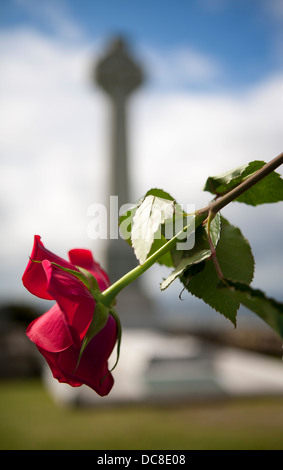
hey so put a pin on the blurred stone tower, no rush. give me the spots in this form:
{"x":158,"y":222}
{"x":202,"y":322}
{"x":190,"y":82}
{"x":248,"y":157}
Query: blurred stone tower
{"x":118,"y":75}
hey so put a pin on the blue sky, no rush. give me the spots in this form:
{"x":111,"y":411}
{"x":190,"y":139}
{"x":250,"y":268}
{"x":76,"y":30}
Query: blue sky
{"x":243,"y":36}
{"x":213,"y":100}
{"x":237,"y":33}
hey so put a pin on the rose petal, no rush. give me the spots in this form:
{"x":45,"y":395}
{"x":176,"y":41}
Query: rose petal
{"x":93,"y":367}
{"x":53,"y":362}
{"x":84,"y":259}
{"x":34,"y":277}
{"x":73,"y":298}
{"x":49,"y":331}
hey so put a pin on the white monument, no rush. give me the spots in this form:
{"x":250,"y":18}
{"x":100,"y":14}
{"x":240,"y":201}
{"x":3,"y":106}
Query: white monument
{"x":118,"y":75}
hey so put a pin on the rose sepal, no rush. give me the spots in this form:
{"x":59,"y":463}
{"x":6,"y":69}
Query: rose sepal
{"x":82,"y":274}
{"x":99,"y":320}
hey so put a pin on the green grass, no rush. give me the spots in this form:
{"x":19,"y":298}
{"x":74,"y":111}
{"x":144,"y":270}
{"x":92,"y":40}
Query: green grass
{"x":29,"y":419}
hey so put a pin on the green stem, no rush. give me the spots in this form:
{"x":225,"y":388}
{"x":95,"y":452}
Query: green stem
{"x":111,"y":293}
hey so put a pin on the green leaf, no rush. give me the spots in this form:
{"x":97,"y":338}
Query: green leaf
{"x":160,"y":193}
{"x":225,"y":181}
{"x":269,"y":310}
{"x":234,"y":254}
{"x":183,"y":265}
{"x":237,"y":263}
{"x":200,"y":252}
{"x":203,"y":285}
{"x":125,"y":224}
{"x":267,"y":190}
{"x":126,"y":219}
{"x":148,"y":217}
{"x":167,"y":228}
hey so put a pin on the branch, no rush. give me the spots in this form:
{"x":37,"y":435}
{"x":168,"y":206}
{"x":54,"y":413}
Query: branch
{"x":108,"y":296}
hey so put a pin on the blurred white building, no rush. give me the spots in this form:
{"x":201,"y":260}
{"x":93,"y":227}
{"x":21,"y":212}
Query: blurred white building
{"x":159,"y":367}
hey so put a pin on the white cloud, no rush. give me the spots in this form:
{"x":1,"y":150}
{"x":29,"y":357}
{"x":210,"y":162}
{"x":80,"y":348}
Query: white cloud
{"x":181,"y":139}
{"x":51,"y":143}
{"x":205,"y":133}
{"x":53,"y":13}
{"x":55,"y":145}
{"x":179,"y":67}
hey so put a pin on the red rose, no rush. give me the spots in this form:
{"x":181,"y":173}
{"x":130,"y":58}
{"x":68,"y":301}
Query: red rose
{"x":58,"y":334}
